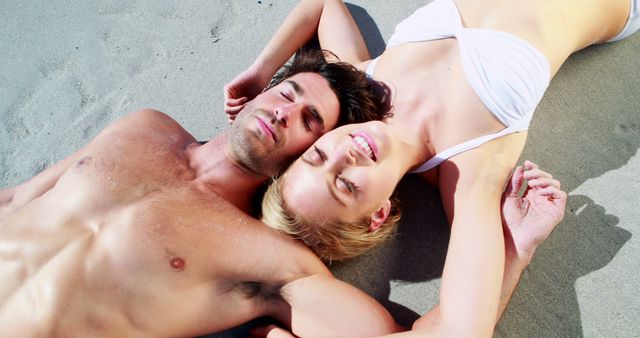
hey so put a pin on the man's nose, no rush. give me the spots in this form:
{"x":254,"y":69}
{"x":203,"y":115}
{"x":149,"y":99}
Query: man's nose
{"x":285,"y":113}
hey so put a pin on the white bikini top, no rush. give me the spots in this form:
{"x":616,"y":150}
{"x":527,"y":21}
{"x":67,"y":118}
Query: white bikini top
{"x":507,"y":73}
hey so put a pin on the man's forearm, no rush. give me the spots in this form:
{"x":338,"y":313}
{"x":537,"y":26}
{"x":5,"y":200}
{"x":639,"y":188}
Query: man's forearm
{"x":296,"y":30}
{"x":322,"y":305}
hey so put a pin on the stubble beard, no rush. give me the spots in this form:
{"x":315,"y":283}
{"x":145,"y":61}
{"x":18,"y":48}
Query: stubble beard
{"x":243,"y":149}
{"x":248,"y":150}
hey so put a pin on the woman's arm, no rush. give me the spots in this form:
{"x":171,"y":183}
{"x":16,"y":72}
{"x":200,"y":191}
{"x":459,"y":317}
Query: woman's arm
{"x":336,"y":30}
{"x":471,"y":185}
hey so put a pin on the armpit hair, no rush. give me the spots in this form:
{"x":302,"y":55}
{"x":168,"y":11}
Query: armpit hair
{"x":254,"y":290}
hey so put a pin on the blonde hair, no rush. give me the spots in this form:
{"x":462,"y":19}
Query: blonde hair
{"x":331,"y":239}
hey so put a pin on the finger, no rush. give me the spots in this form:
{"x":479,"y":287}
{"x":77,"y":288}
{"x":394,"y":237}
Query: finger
{"x":543,"y":182}
{"x":235,"y":102}
{"x":559,"y":200}
{"x":536,"y":173}
{"x":515,"y":183}
{"x":560,"y":195}
{"x":228,"y":91}
{"x":552,"y":192}
{"x":528,"y":165}
{"x":233,"y":110}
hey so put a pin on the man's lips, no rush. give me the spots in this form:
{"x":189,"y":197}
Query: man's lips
{"x":267,"y":128}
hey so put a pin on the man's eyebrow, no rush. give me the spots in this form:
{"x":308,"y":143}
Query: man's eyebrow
{"x":314,"y":112}
{"x":296,"y":87}
{"x":330,"y":186}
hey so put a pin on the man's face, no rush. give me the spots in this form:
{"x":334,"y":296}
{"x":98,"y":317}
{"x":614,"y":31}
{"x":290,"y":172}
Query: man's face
{"x":281,"y":123}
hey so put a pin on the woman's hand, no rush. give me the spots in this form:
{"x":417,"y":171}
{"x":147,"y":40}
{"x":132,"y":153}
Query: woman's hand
{"x":242,"y":89}
{"x":528,"y":220}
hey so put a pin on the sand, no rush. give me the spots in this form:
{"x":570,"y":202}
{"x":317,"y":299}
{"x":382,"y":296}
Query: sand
{"x":67,"y":69}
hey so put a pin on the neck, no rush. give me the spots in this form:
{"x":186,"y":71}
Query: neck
{"x":413,"y":143}
{"x":218,"y":171}
{"x":412,"y":123}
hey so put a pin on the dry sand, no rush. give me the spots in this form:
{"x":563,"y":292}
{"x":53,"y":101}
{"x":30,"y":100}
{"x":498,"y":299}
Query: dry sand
{"x":69,"y":68}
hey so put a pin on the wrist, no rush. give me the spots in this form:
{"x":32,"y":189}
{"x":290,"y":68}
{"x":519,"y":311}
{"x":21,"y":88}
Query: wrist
{"x":264,"y":69}
{"x":520,"y":257}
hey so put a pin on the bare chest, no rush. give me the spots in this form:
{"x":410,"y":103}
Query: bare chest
{"x":120,"y":242}
{"x":120,"y":270}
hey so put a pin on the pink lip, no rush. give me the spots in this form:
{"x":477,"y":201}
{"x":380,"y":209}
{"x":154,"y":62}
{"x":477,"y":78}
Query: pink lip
{"x":369,"y":139}
{"x":267,"y":129}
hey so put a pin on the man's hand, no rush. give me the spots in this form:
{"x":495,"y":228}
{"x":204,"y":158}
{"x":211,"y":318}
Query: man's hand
{"x":528,"y":220}
{"x":242,"y":89}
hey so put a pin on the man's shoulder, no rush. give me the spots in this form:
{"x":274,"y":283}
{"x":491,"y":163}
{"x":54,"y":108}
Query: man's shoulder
{"x":147,"y":118}
{"x":148,"y":122}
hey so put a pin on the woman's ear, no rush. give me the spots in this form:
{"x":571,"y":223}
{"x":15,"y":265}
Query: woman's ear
{"x":379,"y":216}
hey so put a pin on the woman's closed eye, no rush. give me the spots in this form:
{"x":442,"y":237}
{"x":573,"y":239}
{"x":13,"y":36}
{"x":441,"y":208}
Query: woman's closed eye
{"x":344,"y":184}
{"x":314,"y":156}
{"x":319,"y":154}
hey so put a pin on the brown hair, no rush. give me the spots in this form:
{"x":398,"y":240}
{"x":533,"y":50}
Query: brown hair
{"x":361,"y":99}
{"x":331,"y":239}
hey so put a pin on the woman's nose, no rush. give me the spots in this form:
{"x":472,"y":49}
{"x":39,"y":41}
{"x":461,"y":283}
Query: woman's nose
{"x":344,"y":156}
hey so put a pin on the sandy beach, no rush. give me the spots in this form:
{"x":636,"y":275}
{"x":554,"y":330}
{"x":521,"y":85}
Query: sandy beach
{"x":68,"y":69}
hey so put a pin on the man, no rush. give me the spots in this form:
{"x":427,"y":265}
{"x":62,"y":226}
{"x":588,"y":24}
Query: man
{"x":142,"y":232}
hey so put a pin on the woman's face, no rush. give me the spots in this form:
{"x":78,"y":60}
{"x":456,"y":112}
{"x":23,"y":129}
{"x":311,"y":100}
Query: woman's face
{"x":347,"y":174}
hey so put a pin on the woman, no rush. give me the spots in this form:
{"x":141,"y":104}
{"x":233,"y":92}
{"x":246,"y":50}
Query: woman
{"x":465,"y":77}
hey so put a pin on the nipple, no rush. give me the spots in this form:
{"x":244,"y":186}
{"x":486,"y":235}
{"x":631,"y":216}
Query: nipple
{"x":83,"y":162}
{"x":177,"y":263}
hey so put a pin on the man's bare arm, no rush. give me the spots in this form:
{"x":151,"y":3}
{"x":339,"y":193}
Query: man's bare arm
{"x":330,"y":19}
{"x":336,"y":30}
{"x":321,"y":305}
{"x":12,"y":199}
